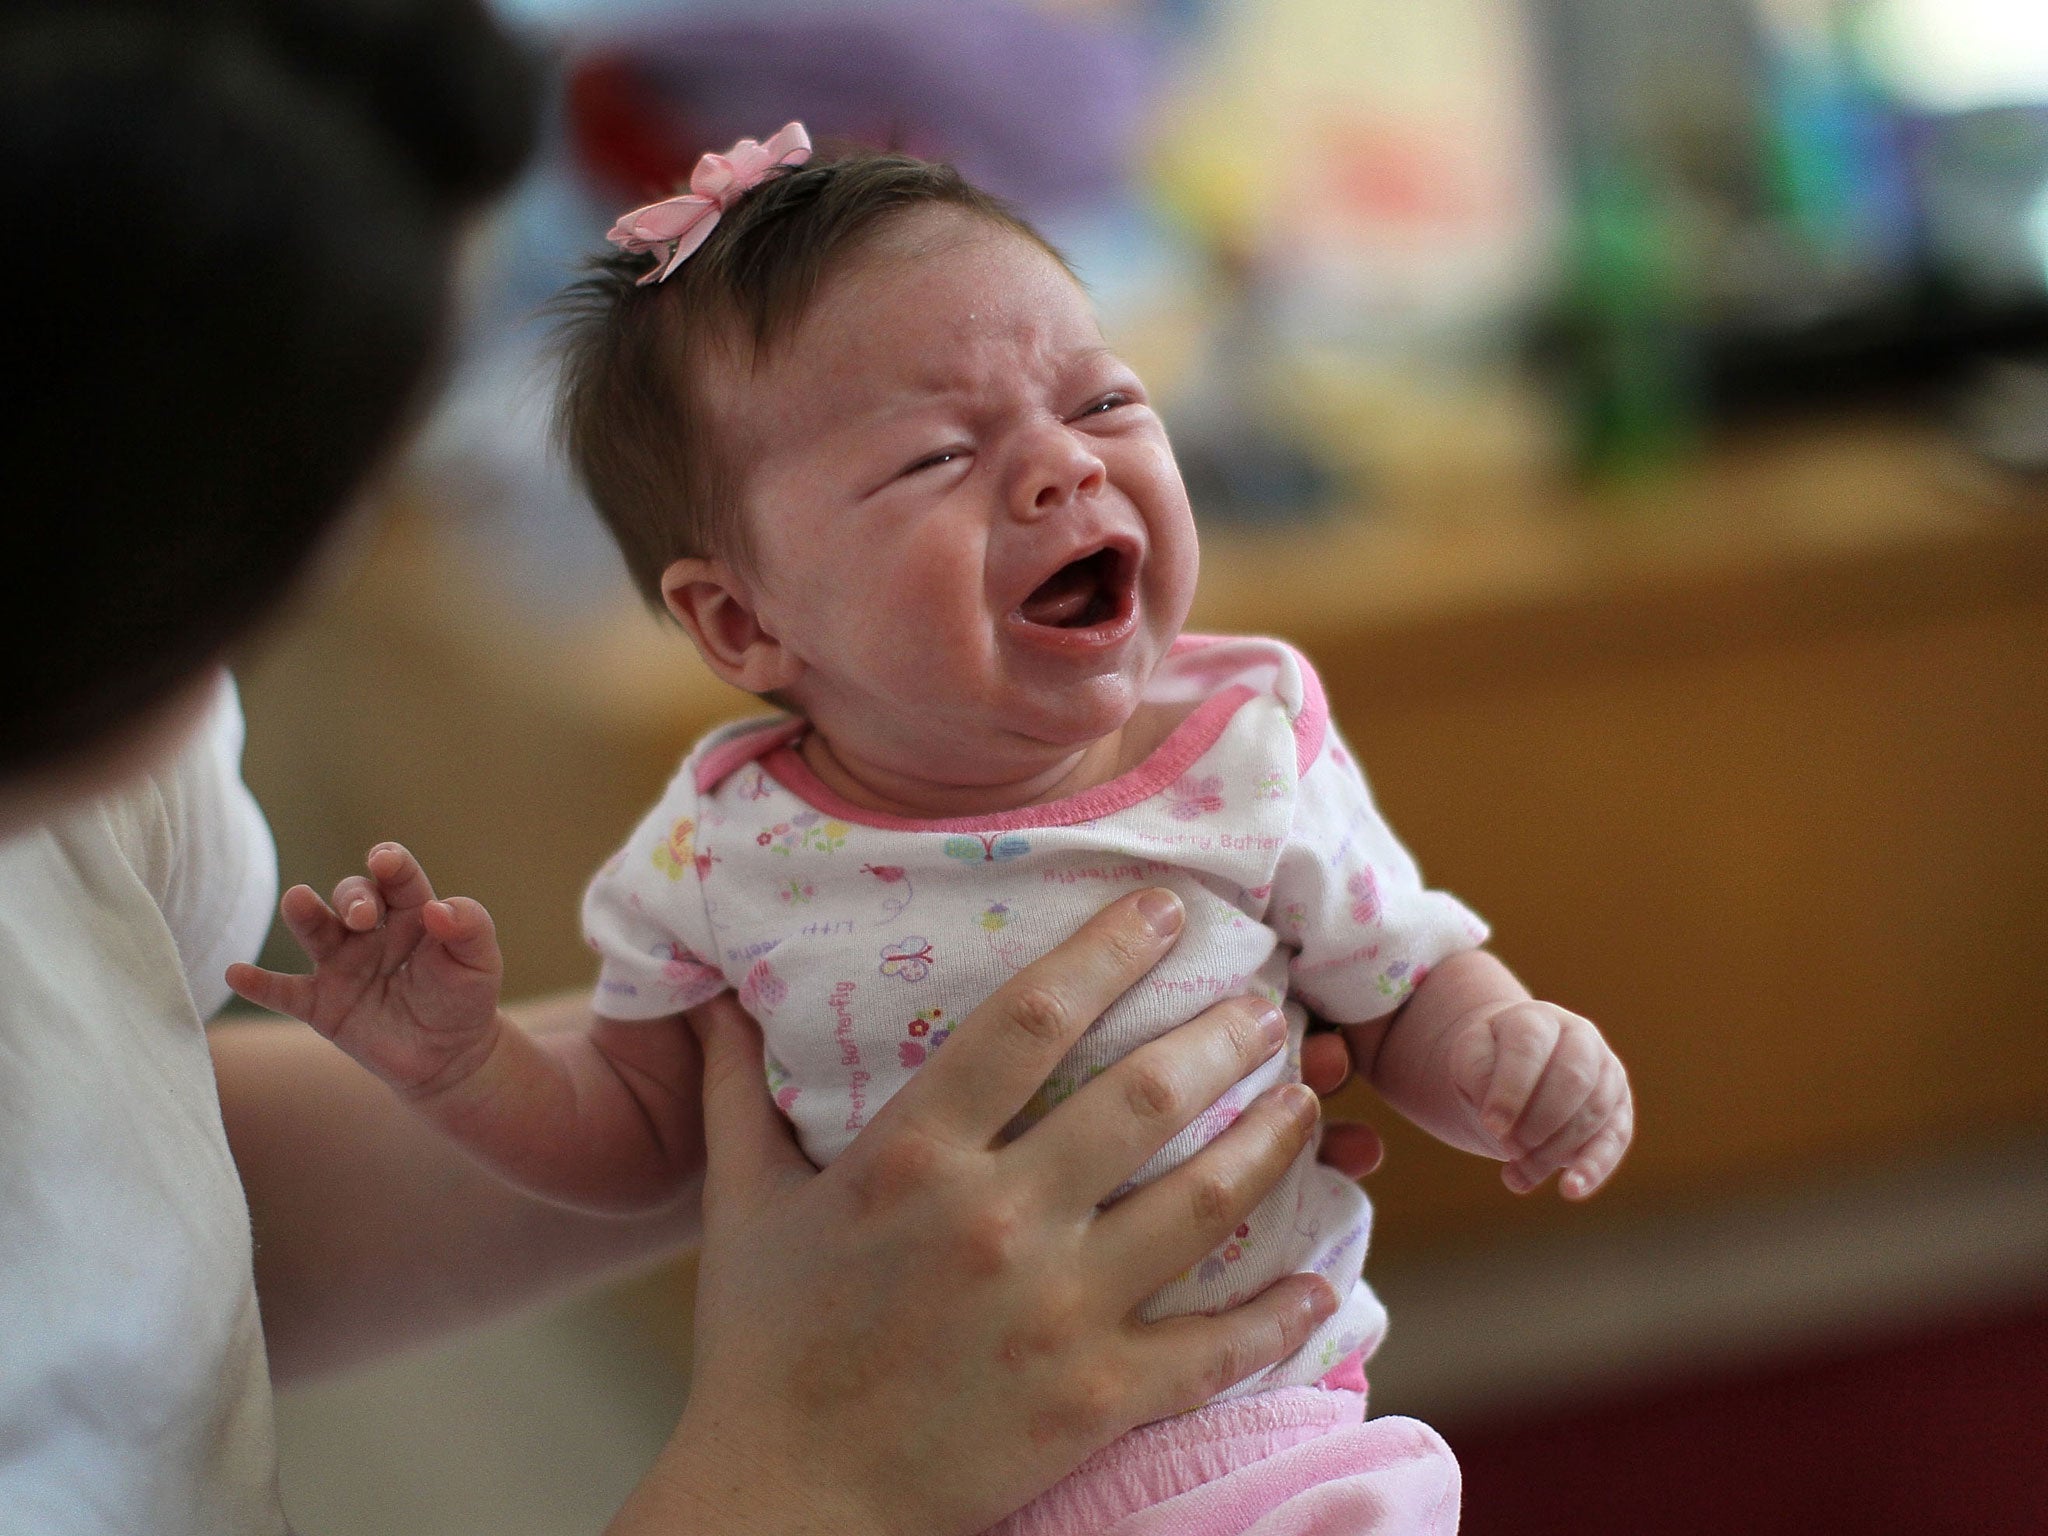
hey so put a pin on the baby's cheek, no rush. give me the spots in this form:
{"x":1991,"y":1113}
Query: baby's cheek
{"x":918,"y":642}
{"x":931,"y":607}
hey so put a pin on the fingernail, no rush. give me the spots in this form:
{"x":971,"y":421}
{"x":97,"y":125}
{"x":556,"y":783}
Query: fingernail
{"x":1272,"y":1026}
{"x":1162,"y":911}
{"x":1320,"y":1303}
{"x":1575,"y":1184}
{"x":356,"y":909}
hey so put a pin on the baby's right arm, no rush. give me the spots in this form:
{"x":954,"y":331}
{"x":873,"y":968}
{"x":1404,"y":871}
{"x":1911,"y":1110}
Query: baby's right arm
{"x":607,"y":1118}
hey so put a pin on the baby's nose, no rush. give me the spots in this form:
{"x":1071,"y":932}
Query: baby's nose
{"x":1059,"y":470}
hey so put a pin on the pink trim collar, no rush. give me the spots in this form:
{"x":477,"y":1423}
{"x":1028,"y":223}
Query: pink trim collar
{"x":1167,"y":762}
{"x":772,"y":744}
{"x":744,"y":746}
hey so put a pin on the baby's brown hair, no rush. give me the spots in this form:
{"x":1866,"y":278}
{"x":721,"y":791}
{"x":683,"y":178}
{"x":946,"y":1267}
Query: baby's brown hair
{"x":632,"y":406}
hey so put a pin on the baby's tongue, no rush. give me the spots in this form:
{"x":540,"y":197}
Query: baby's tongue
{"x":1062,"y":597}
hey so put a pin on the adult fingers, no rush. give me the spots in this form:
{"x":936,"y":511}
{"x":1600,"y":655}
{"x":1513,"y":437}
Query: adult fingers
{"x":750,"y":1150}
{"x":1171,"y":1224}
{"x":1006,"y":1048}
{"x":1191,"y":1359}
{"x":1352,"y":1148}
{"x":1097,"y":1139}
{"x":1325,"y":1061}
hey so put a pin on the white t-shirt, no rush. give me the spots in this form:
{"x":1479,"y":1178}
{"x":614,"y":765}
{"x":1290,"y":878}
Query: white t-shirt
{"x":858,"y":940}
{"x":134,"y":1392}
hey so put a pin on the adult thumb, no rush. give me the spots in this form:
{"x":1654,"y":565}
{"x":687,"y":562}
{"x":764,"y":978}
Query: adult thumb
{"x":750,"y":1150}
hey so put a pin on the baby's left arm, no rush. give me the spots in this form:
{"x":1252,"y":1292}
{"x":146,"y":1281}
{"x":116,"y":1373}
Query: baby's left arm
{"x":1477,"y":1062}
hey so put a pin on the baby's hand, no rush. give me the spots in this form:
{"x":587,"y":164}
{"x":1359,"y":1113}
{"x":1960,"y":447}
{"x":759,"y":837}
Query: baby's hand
{"x":1549,"y":1089}
{"x":406,"y":984}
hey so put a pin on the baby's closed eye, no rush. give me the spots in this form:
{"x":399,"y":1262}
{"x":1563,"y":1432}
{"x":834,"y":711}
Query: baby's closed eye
{"x":1116,"y":399}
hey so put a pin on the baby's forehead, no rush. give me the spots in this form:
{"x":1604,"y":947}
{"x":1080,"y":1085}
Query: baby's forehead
{"x":926,"y":318}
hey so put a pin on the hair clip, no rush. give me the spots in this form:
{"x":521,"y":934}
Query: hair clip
{"x":676,"y":226}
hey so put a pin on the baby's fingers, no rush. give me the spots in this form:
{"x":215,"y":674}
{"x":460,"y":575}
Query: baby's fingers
{"x":1594,"y":1166}
{"x":395,"y":883}
{"x":1588,"y":1146}
{"x":1497,"y":1067}
{"x":272,"y":990}
{"x":400,"y":879}
{"x":358,"y":904}
{"x":1573,"y":1079}
{"x":464,"y":929}
{"x":312,"y":922}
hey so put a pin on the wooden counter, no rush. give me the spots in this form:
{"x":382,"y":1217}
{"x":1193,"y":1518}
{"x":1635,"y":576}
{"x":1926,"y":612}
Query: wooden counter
{"x":1750,"y":767}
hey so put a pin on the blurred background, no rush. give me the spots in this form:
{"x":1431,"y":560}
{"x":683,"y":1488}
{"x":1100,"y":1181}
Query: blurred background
{"x":1639,"y":411}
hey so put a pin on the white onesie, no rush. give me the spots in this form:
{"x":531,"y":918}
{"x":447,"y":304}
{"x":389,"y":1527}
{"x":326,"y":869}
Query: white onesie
{"x":859,"y":939}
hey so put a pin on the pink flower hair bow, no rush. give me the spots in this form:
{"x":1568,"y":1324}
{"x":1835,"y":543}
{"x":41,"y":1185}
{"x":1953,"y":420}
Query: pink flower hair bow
{"x":676,"y":226}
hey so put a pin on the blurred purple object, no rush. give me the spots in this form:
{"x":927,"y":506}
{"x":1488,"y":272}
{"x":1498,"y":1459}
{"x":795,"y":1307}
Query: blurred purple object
{"x":1046,"y":110}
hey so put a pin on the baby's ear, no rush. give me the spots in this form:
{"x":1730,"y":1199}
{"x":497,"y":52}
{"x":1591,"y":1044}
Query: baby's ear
{"x":719,"y":616}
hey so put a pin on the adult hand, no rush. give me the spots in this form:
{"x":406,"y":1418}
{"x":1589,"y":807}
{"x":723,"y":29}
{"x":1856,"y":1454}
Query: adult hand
{"x":1351,"y":1147}
{"x":943,"y":1323}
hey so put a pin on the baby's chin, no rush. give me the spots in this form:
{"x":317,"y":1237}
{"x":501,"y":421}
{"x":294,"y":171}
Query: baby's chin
{"x":978,"y":749}
{"x":1073,"y":716}
{"x":1004,"y":746}
{"x":1020,"y":728}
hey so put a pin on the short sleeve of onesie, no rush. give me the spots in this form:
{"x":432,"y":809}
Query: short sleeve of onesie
{"x":1350,"y":900}
{"x":645,"y":914}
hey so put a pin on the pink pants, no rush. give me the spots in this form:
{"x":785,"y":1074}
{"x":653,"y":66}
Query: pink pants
{"x":1298,"y":1461}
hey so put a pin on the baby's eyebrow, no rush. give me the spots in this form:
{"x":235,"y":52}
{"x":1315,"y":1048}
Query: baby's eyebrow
{"x":939,"y":386}
{"x":939,"y":389}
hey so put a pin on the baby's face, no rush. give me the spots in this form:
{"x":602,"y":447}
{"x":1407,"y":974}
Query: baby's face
{"x":967,"y":521}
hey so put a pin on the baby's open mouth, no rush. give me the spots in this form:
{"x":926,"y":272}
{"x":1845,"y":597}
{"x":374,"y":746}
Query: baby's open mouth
{"x":1080,"y":594}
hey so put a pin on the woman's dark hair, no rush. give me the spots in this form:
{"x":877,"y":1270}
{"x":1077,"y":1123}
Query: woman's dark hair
{"x":634,"y":408}
{"x":229,"y":228}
